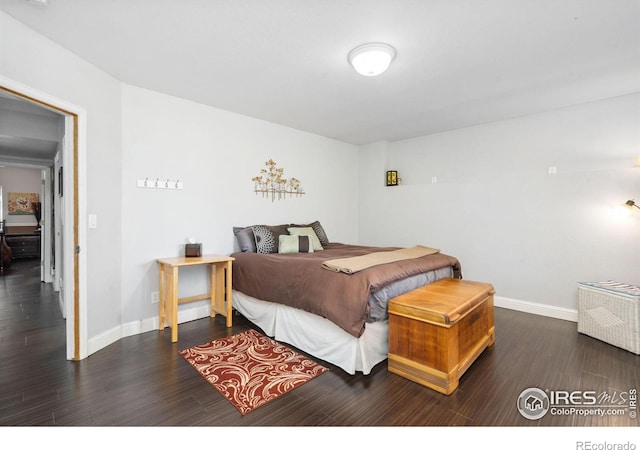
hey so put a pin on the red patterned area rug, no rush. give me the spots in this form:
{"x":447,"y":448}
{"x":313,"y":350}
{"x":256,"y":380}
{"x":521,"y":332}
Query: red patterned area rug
{"x":250,"y":369}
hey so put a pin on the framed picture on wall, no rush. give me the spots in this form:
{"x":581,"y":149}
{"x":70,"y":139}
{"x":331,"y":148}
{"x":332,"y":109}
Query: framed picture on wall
{"x":392,"y":177}
{"x":21,"y":203}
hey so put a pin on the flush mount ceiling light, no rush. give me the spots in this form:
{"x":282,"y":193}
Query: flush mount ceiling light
{"x":41,"y":3}
{"x":371,"y":59}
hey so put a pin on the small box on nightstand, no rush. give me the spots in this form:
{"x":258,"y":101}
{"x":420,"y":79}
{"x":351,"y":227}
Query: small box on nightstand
{"x":192,"y":250}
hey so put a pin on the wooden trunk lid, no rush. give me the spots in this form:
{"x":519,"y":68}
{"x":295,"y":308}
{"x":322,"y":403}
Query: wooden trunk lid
{"x":442,"y":302}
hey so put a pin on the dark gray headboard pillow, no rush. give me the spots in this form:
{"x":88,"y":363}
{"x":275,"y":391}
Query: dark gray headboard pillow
{"x":246,"y":240}
{"x":264,"y":238}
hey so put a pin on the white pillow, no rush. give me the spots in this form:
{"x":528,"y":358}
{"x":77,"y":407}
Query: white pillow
{"x":307,"y":231}
{"x":288,"y":243}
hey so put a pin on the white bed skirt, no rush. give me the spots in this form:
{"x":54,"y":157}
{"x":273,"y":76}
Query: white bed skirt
{"x":316,"y":335}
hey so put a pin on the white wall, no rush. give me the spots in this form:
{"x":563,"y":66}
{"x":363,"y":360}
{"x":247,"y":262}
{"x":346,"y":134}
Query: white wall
{"x":215,"y":154}
{"x":31,"y":59}
{"x":495,"y":207}
{"x":134,"y":133}
{"x":532,"y":235}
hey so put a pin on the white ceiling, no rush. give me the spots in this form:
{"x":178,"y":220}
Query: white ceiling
{"x":28,"y":133}
{"x":459,"y":62}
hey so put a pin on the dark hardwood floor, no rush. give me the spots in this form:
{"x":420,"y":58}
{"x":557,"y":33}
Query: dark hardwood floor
{"x":142,"y":381}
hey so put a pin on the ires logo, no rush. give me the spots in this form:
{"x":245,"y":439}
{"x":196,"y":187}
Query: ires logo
{"x":573,"y":398}
{"x":633,"y":403}
{"x":534,"y":403}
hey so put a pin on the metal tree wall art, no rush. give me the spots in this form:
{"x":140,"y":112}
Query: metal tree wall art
{"x":271,"y":183}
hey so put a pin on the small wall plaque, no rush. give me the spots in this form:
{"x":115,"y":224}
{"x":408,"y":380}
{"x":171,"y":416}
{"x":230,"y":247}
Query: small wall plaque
{"x":392,"y":177}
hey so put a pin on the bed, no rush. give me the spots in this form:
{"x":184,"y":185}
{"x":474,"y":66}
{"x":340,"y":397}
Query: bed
{"x":293,"y":294}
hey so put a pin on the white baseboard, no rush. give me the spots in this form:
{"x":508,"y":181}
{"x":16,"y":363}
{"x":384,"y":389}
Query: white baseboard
{"x":187,"y":315}
{"x":142,"y":326}
{"x":539,"y":309}
{"x":61,"y":305}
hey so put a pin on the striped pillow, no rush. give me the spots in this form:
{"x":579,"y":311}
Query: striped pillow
{"x":307,"y":231}
{"x":294,"y":244}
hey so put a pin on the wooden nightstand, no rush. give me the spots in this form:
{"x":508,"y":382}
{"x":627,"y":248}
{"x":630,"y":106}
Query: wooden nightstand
{"x":220,"y":294}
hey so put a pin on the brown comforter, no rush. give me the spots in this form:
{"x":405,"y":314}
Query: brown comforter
{"x":298,"y":280}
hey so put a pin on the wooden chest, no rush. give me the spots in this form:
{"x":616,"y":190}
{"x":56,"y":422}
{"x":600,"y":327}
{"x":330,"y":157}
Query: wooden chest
{"x":437,"y":331}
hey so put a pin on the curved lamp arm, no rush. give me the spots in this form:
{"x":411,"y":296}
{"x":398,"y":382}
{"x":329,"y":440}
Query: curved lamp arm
{"x":631,"y":203}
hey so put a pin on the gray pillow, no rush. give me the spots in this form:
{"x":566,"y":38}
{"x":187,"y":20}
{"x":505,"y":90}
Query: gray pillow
{"x":246,"y":240}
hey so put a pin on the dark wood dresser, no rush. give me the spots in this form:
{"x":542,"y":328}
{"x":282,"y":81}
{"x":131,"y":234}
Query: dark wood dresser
{"x":24,"y":242}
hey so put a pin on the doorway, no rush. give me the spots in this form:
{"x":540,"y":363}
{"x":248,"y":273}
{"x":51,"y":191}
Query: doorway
{"x":70,"y":169}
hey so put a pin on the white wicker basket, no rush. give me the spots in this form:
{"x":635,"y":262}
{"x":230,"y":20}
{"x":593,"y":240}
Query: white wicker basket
{"x":609,"y":311}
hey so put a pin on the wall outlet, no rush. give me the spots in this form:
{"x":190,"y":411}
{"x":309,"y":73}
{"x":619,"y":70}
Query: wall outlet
{"x":155,"y":298}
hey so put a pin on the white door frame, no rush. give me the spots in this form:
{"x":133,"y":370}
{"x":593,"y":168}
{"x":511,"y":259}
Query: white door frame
{"x":46,"y":226}
{"x":74,"y":214}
